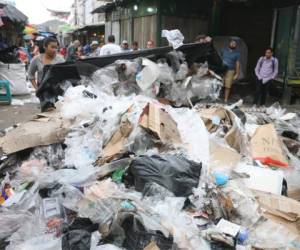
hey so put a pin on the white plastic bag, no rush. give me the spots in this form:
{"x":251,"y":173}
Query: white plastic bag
{"x":16,"y":75}
{"x":174,"y":37}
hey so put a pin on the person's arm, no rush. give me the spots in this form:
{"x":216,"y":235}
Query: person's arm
{"x":237,"y":69}
{"x":257,"y":69}
{"x":276,"y":66}
{"x":31,"y":72}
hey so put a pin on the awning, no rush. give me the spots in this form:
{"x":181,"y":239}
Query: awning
{"x":87,"y":27}
{"x":104,"y":8}
{"x":12,"y":13}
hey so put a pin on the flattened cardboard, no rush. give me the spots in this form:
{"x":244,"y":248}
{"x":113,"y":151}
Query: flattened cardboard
{"x":265,"y":144}
{"x":115,"y":145}
{"x":223,"y":156}
{"x":280,"y":209}
{"x":279,"y":203}
{"x":46,"y":129}
{"x":159,"y":122}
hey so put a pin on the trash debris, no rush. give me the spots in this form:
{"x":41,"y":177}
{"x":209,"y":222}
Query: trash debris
{"x":136,"y":157}
{"x":266,"y":147}
{"x":177,"y":174}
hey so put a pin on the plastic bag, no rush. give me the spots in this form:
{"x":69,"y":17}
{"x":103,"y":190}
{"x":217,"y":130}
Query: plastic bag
{"x":107,"y":247}
{"x":156,"y":191}
{"x":16,"y":75}
{"x":79,"y":235}
{"x":42,"y":242}
{"x":11,"y":221}
{"x":137,"y":237}
{"x":174,"y":37}
{"x":177,"y":174}
{"x":182,"y":226}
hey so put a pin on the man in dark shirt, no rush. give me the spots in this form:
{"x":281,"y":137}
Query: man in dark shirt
{"x":231,"y":59}
{"x":72,"y":51}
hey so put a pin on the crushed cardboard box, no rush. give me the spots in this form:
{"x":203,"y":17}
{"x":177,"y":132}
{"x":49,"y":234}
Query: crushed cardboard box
{"x":160,"y":123}
{"x":214,"y":117}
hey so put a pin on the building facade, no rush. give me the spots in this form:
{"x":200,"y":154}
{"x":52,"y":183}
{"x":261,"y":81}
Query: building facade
{"x":88,"y":26}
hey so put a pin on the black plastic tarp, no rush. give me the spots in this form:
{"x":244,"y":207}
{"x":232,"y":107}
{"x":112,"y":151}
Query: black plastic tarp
{"x":54,"y":75}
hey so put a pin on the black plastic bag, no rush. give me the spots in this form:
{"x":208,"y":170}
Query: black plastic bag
{"x":137,"y":237}
{"x":175,"y":173}
{"x":77,"y":236}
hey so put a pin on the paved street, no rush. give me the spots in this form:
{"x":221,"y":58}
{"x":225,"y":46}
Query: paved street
{"x":14,"y":114}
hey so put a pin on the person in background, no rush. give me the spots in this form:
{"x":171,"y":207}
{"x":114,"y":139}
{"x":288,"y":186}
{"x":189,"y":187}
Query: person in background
{"x":72,"y":51}
{"x":87,"y":49}
{"x":125,"y":46}
{"x":111,"y":47}
{"x":150,"y":44}
{"x":231,"y":59}
{"x":49,"y":57}
{"x":266,"y":71}
{"x":35,"y":49}
{"x":135,"y":46}
{"x":63,"y":51}
{"x":95,"y":50}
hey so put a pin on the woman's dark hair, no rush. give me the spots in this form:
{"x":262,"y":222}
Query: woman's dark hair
{"x":269,"y":48}
{"x":49,"y":40}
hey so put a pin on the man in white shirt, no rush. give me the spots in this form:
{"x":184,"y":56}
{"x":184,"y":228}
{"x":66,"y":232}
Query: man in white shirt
{"x":111,"y":47}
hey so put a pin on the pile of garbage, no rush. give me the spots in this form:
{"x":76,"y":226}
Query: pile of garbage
{"x":111,"y":168}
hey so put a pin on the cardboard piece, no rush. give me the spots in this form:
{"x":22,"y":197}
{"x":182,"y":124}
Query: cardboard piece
{"x":262,"y":179}
{"x":115,"y":145}
{"x":266,"y":147}
{"x":222,"y":156}
{"x":47,"y":128}
{"x":213,"y":118}
{"x":152,"y":246}
{"x":280,"y":209}
{"x":160,"y":123}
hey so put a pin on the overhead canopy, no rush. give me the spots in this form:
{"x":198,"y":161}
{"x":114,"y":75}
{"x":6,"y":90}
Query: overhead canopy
{"x":87,"y":27}
{"x":66,"y":28}
{"x":104,"y":8}
{"x":13,"y":14}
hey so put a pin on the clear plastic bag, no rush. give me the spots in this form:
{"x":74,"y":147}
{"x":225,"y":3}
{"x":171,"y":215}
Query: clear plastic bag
{"x":174,"y":37}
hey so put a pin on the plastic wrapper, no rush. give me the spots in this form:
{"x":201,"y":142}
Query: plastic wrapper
{"x":83,"y":146}
{"x":11,"y":221}
{"x":156,"y":191}
{"x":270,"y":235}
{"x":102,"y":211}
{"x":184,"y":230}
{"x":174,"y":37}
{"x":105,"y":78}
{"x":42,"y":242}
{"x":52,"y":155}
{"x":107,"y":247}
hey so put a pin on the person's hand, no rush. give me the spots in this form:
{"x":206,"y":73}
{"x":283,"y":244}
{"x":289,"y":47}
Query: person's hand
{"x":235,"y":77}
